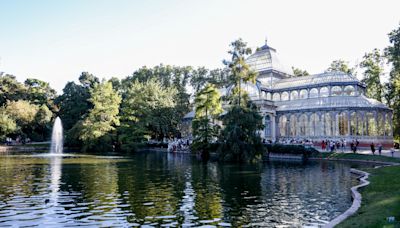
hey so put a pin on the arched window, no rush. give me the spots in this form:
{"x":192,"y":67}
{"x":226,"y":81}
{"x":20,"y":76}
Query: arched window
{"x":314,"y":120}
{"x":353,"y":124}
{"x":267,"y":126}
{"x":381,"y":124}
{"x":303,"y":94}
{"x":327,"y":124}
{"x":360,"y":124}
{"x":285,"y":96}
{"x":343,"y":123}
{"x":336,"y":91}
{"x":303,"y":125}
{"x":324,"y":92}
{"x":268,"y":96}
{"x":313,"y":93}
{"x":349,"y":90}
{"x":388,"y":124}
{"x":293,"y":125}
{"x":283,"y":126}
{"x":371,"y":129}
{"x":294,"y":95}
{"x":276,"y":97}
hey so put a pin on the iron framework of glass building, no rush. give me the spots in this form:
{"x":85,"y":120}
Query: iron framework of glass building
{"x":330,"y":105}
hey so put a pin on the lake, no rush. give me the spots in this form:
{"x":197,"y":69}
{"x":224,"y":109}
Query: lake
{"x":161,"y":189}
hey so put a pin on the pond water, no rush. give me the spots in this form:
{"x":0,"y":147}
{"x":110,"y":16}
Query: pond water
{"x":160,"y":189}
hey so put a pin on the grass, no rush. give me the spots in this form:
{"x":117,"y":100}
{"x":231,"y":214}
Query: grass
{"x":363,"y":157}
{"x":380,"y":199}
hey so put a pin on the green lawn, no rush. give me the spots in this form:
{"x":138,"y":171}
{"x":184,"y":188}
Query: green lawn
{"x":380,"y":199}
{"x":364,"y":157}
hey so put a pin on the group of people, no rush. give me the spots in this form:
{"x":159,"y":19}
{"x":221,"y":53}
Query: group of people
{"x":332,"y":146}
{"x":19,"y":140}
{"x":373,"y":149}
{"x":179,"y":145}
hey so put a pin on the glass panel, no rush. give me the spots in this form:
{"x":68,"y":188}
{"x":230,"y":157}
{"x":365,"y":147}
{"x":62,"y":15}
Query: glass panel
{"x":313,"y":93}
{"x":336,"y":91}
{"x":303,"y":94}
{"x":283,"y":126}
{"x":314,"y":125}
{"x":267,"y":126}
{"x":328,"y":124}
{"x":303,"y":125}
{"x":294,"y":95}
{"x":324,"y":92}
{"x":353,"y":123}
{"x":372,"y":130}
{"x":381,"y":125}
{"x":387,"y":125}
{"x":276,"y":97}
{"x":285,"y":96}
{"x":343,"y":123}
{"x":293,"y":124}
{"x":349,"y":90}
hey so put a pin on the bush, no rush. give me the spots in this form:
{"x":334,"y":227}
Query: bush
{"x":291,"y":149}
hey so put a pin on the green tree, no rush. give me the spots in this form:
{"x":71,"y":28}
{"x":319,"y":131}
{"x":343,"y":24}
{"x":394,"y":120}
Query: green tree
{"x":392,"y":53}
{"x":7,"y":125}
{"x":40,"y":92}
{"x":147,"y":111}
{"x":88,"y":80}
{"x":240,"y":140}
{"x":298,"y":72}
{"x":372,"y":64}
{"x":73,"y":105}
{"x":208,"y":108}
{"x":340,"y":65}
{"x":239,"y":71}
{"x":10,"y":89}
{"x":98,"y":127}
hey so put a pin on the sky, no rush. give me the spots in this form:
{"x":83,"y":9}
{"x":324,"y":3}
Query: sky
{"x":57,"y":40}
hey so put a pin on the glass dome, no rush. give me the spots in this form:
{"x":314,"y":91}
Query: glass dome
{"x":265,"y":58}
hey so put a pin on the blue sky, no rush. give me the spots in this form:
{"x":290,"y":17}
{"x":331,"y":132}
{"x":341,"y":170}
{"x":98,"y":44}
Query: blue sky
{"x":56,"y":40}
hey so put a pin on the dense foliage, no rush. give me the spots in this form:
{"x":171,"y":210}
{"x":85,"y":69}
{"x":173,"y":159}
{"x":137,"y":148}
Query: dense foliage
{"x":208,"y":107}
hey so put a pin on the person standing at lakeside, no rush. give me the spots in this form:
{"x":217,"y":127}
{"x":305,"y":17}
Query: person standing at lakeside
{"x":373,"y":148}
{"x":380,"y":148}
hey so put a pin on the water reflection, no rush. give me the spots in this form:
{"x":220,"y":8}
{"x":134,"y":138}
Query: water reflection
{"x":171,"y":190}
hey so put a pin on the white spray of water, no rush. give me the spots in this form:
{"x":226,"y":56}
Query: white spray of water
{"x":57,"y":140}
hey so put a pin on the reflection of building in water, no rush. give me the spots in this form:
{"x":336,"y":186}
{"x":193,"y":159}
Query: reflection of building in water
{"x":330,"y":105}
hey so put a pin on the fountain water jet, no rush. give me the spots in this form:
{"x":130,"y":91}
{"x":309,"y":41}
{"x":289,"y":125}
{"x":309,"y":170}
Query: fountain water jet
{"x":57,"y":140}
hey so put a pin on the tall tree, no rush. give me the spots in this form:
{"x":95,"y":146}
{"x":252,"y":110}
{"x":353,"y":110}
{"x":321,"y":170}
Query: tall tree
{"x":147,"y":111}
{"x":340,"y":65}
{"x":239,"y":71}
{"x":7,"y":124}
{"x":372,"y":64}
{"x":392,"y":53}
{"x":11,"y":89}
{"x":208,"y":108}
{"x":40,"y":92}
{"x":73,"y":105}
{"x":240,"y":140}
{"x":98,"y":127}
{"x":298,"y":72}
{"x":88,"y":80}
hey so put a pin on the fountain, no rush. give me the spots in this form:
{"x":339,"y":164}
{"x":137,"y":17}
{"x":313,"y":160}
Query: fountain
{"x":57,"y":138}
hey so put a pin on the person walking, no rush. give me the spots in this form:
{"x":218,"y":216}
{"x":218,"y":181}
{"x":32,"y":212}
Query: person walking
{"x":372,"y":148}
{"x":380,"y":148}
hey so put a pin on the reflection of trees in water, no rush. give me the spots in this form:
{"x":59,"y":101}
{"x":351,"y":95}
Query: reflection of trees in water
{"x":208,"y":202}
{"x":152,"y":187}
{"x":240,"y":186}
{"x":20,"y":176}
